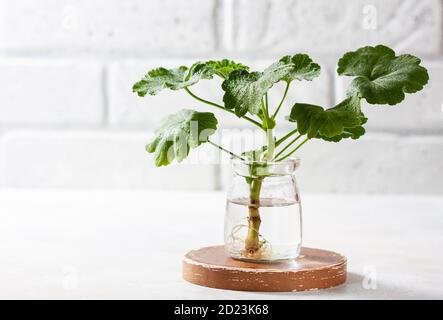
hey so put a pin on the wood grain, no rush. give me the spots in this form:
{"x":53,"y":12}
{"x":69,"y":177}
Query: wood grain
{"x":313,"y":269}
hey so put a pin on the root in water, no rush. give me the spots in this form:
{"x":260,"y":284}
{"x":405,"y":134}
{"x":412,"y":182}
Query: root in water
{"x":237,"y":243}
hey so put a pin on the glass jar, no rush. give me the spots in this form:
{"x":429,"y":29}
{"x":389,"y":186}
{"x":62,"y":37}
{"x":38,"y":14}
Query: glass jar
{"x":263,"y":221}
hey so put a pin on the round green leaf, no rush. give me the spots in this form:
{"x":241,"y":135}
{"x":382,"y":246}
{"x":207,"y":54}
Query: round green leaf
{"x":179,"y":78}
{"x":223,"y":68}
{"x":180,"y":132}
{"x":381,"y":77}
{"x":303,"y":67}
{"x":244,"y":90}
{"x":174,"y":79}
{"x":333,"y":123}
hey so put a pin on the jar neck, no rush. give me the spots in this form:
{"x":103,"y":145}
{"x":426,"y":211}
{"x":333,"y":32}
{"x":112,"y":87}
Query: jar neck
{"x":261,"y":169}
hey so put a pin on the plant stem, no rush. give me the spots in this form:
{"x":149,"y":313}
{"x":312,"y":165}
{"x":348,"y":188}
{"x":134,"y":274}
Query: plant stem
{"x":287,"y":146}
{"x":290,"y":153}
{"x":221,"y":107}
{"x":279,"y":141}
{"x":270,"y":143}
{"x":281,"y":101}
{"x":226,"y":150}
{"x":252,"y":241}
{"x":265,"y":114}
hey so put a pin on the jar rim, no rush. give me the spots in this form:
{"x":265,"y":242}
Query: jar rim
{"x":290,"y":160}
{"x":251,"y":168}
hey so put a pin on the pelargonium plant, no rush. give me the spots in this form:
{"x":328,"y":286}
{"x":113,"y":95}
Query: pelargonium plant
{"x":379,"y":76}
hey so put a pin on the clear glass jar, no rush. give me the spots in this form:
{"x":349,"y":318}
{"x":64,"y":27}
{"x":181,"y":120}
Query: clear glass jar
{"x":263,"y":221}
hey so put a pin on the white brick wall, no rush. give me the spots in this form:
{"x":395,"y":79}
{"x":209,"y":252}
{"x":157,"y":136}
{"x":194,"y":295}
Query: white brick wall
{"x":103,"y":26}
{"x":92,"y":159}
{"x":377,"y":163}
{"x":336,"y":25}
{"x":50,"y":92}
{"x":68,"y":117}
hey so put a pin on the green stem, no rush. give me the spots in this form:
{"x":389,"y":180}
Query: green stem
{"x":270,"y":143}
{"x":265,"y":114}
{"x":225,"y":150}
{"x":290,"y":153}
{"x":287,"y":146}
{"x":221,"y":107}
{"x":279,"y":141}
{"x":252,"y":241}
{"x":281,"y":101}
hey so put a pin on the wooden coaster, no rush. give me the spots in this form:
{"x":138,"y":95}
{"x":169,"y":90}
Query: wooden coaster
{"x":313,"y":269}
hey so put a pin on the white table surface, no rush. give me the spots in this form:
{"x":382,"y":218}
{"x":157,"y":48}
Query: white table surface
{"x":129,"y":244}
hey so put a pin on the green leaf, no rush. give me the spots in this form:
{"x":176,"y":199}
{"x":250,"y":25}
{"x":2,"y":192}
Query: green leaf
{"x":317,"y":122}
{"x":381,"y":77}
{"x":174,"y":79}
{"x":244,"y":90}
{"x":180,"y":132}
{"x":303,"y":67}
{"x":353,"y":133}
{"x":223,"y":68}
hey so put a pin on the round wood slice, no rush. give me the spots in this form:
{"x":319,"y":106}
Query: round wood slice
{"x":313,"y":269}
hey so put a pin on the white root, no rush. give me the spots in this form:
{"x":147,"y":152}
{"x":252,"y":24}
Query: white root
{"x":237,"y":243}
